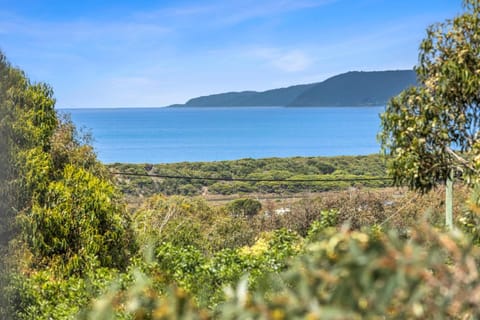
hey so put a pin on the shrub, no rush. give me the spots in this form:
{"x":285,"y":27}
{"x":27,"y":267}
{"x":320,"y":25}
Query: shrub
{"x":79,"y":222}
{"x":350,"y":275}
{"x":244,"y":207}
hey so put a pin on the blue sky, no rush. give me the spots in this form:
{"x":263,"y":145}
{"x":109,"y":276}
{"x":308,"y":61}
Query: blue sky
{"x":147,"y":53}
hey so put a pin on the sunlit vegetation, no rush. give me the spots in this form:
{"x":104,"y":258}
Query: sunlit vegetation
{"x":62,"y":218}
{"x":345,"y":171}
{"x":71,"y":249}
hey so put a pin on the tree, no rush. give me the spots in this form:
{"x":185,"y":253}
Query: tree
{"x":432,"y":129}
{"x":244,"y":207}
{"x":56,"y":202}
{"x":27,"y":120}
{"x":79,"y":226}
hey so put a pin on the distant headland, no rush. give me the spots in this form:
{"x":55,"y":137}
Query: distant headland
{"x":355,"y":88}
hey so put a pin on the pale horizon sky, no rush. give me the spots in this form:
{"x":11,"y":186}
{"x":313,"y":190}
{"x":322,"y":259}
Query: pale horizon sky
{"x":148,"y":53}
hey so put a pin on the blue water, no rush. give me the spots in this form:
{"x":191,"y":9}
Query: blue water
{"x":160,"y":135}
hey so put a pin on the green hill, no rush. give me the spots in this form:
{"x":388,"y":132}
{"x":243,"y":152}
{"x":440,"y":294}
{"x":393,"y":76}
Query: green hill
{"x":347,"y":89}
{"x":357,"y":89}
{"x":274,"y":97}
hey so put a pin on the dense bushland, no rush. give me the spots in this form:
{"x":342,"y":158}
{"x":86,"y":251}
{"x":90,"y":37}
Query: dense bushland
{"x":331,"y":274}
{"x":298,"y":168}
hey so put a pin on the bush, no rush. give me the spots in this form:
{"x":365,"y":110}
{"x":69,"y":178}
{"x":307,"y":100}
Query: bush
{"x":244,"y":207}
{"x":80,"y":222}
{"x":350,"y":275}
{"x":43,"y":295}
{"x":342,"y":275}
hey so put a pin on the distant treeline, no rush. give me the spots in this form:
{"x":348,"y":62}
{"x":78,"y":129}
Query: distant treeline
{"x":348,"y":169}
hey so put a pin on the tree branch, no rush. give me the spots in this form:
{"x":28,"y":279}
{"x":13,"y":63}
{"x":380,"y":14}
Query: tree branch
{"x":461,"y":160}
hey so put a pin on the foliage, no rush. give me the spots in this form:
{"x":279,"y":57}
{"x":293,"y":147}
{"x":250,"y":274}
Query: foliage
{"x":60,"y":213}
{"x":27,"y":120}
{"x":432,"y":129}
{"x":329,"y":219}
{"x":244,"y":207}
{"x":69,"y":146}
{"x":341,"y":275}
{"x":41,"y":295}
{"x":345,"y":167}
{"x":202,"y":249}
{"x":77,"y":225}
{"x":194,"y":278}
{"x":350,"y":275}
{"x":142,"y":301}
{"x":469,"y":220}
{"x":311,"y":262}
{"x":179,"y":220}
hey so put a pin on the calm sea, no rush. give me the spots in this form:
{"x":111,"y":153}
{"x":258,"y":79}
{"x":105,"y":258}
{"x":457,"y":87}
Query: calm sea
{"x":160,"y":135}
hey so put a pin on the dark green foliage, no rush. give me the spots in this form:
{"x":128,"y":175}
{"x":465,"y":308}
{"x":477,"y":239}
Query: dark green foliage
{"x":348,"y":89}
{"x":244,"y":207}
{"x":345,"y":167}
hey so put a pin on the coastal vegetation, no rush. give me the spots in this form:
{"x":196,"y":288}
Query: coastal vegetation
{"x":272,"y":175}
{"x":72,"y":249}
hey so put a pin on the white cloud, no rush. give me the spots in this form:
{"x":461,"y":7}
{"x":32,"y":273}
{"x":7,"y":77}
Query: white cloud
{"x":285,"y":60}
{"x":292,"y":61}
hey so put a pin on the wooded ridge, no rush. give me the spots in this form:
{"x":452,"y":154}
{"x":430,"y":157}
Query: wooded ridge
{"x":355,"y":88}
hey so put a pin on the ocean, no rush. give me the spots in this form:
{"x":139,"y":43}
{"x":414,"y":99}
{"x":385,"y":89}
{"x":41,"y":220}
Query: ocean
{"x":163,"y":135}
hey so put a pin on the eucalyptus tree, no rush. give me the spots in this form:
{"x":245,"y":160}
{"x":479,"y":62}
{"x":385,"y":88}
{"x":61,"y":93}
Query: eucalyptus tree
{"x":431,"y":130}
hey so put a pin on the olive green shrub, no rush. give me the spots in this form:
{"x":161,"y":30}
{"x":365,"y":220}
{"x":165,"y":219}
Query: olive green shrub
{"x":340,"y":275}
{"x":78,"y":226}
{"x":185,"y":221}
{"x":351,"y":275}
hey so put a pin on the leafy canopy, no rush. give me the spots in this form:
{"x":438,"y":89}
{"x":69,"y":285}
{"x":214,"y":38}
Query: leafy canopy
{"x":54,"y":194}
{"x":432,"y":129}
